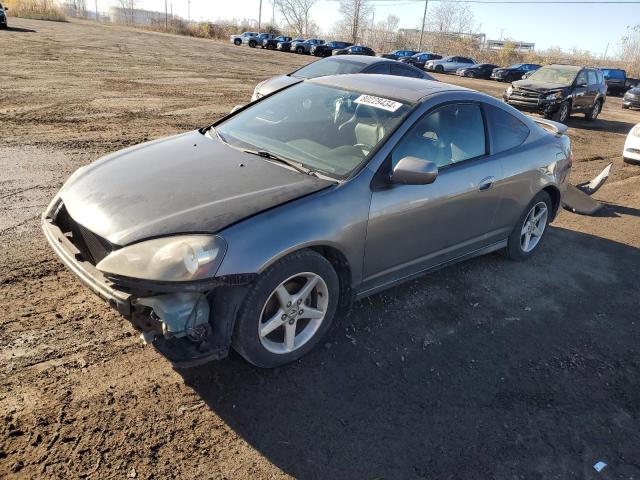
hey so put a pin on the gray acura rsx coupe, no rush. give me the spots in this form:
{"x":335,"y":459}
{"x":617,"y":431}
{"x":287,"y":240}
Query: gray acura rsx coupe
{"x":253,"y":232}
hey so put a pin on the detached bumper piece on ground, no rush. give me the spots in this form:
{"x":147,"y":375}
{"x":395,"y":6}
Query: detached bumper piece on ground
{"x":578,"y":199}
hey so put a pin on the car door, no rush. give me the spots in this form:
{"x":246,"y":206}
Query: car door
{"x":580,"y":91}
{"x":415,"y":227}
{"x":592,"y":87}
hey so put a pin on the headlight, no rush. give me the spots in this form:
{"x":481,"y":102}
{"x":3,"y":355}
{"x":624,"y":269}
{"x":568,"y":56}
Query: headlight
{"x":554,"y":96}
{"x":509,"y":90}
{"x":170,"y":259}
{"x":635,"y":131}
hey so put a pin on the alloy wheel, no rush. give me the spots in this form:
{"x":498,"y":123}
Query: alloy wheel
{"x":533,"y":227}
{"x":293,"y":313}
{"x":596,"y":110}
{"x":564,"y":112}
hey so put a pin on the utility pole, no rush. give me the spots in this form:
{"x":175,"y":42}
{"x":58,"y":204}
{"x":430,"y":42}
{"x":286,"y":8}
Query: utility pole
{"x":97,"y":17}
{"x":166,"y":20}
{"x":273,"y":12}
{"x":356,"y":19}
{"x":189,"y":10}
{"x":424,"y":19}
{"x":259,"y":15}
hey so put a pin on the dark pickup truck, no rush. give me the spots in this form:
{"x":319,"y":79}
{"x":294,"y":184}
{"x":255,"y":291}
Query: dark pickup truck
{"x":272,"y":43}
{"x":616,"y":79}
{"x":556,"y":91}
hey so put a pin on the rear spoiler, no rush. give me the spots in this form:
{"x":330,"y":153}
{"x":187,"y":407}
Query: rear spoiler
{"x":555,"y":127}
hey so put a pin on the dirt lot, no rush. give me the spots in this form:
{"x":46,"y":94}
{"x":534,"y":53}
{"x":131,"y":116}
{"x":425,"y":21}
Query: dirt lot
{"x":489,"y":369}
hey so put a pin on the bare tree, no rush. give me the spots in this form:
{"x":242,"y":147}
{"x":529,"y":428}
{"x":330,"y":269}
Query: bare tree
{"x":297,"y":14}
{"x":355,"y":14}
{"x":630,"y":48}
{"x":451,"y":17}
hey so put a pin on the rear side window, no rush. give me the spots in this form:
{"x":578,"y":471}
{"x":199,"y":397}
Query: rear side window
{"x":404,"y":71}
{"x":382,"y":68}
{"x":507,"y":131}
{"x":448,"y":135}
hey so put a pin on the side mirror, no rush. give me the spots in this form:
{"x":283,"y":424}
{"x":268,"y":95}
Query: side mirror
{"x":414,"y":171}
{"x":237,"y":107}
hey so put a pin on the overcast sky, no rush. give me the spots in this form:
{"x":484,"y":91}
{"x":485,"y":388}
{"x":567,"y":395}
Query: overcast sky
{"x":589,"y":27}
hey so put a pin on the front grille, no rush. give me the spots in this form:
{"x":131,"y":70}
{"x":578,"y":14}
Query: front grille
{"x":92,"y":247}
{"x":525,"y":96}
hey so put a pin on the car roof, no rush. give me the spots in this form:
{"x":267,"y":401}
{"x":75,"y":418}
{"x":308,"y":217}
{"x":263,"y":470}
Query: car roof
{"x":406,"y":89}
{"x":568,"y":67}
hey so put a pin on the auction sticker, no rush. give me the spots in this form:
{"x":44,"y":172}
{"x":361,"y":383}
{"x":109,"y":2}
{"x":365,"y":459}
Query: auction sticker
{"x":378,"y":102}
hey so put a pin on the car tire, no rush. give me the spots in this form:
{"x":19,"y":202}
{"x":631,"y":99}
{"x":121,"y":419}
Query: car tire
{"x":594,"y":112}
{"x":563,"y":113}
{"x":252,"y":44}
{"x":439,"y":68}
{"x":625,"y":107}
{"x":237,"y":42}
{"x":272,"y":300}
{"x":299,"y":50}
{"x":518,"y":247}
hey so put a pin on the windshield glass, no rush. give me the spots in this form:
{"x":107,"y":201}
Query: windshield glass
{"x":322,"y":128}
{"x":559,"y":75}
{"x":515,"y":66}
{"x":610,"y":73}
{"x":329,"y":66}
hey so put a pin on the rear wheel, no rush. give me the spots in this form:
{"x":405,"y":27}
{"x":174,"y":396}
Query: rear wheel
{"x":528,"y":233}
{"x":237,"y":41}
{"x":299,"y":50}
{"x":288,"y":311}
{"x":439,"y":68}
{"x":595,"y":110}
{"x":252,"y":43}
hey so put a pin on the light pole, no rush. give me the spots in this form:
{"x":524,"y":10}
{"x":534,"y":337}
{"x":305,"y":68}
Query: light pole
{"x":259,"y":15}
{"x":424,"y":19}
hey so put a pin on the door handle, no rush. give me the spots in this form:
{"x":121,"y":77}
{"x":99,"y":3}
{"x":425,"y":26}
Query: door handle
{"x":485,"y":183}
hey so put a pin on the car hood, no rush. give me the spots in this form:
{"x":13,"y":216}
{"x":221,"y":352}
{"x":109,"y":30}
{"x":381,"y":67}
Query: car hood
{"x":276,"y":83}
{"x":538,"y":86}
{"x":183,"y":184}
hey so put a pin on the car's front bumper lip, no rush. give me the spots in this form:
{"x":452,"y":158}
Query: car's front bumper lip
{"x":87,"y":273}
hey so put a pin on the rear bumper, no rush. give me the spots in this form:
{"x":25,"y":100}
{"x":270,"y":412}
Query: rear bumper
{"x":89,"y":275}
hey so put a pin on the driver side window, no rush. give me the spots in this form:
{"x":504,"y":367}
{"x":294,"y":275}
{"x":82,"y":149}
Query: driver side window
{"x":451,"y":134}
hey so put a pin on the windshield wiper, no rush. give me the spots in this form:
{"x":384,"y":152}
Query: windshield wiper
{"x":276,"y":158}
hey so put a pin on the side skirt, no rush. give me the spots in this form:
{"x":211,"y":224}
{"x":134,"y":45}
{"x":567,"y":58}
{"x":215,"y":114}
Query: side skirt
{"x":476,"y":253}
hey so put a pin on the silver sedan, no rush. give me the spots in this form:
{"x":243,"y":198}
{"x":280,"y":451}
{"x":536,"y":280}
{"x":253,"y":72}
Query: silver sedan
{"x":255,"y":231}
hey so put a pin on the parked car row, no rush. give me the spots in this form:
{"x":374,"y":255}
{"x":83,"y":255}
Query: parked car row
{"x":309,"y":46}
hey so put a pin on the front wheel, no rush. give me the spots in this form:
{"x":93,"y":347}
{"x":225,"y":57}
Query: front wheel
{"x":439,"y":69}
{"x":527,"y":235}
{"x":288,"y":310}
{"x":237,"y":41}
{"x":299,"y":50}
{"x":563,"y":113}
{"x":252,"y":44}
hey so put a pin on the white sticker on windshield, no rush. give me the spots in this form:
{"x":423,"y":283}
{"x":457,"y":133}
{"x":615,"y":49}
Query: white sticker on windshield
{"x":378,"y":102}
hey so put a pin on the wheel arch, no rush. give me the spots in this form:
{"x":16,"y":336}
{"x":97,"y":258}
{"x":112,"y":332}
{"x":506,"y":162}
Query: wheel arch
{"x":554,"y":193}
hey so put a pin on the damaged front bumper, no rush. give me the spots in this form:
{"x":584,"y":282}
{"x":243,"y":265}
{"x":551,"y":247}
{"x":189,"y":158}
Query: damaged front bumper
{"x":189,"y":324}
{"x":533,"y":105}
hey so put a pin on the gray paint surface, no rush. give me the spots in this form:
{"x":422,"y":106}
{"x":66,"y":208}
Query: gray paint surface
{"x":186,"y":183}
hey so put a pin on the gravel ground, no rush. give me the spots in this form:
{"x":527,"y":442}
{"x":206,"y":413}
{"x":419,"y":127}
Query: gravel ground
{"x":488,"y":369}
